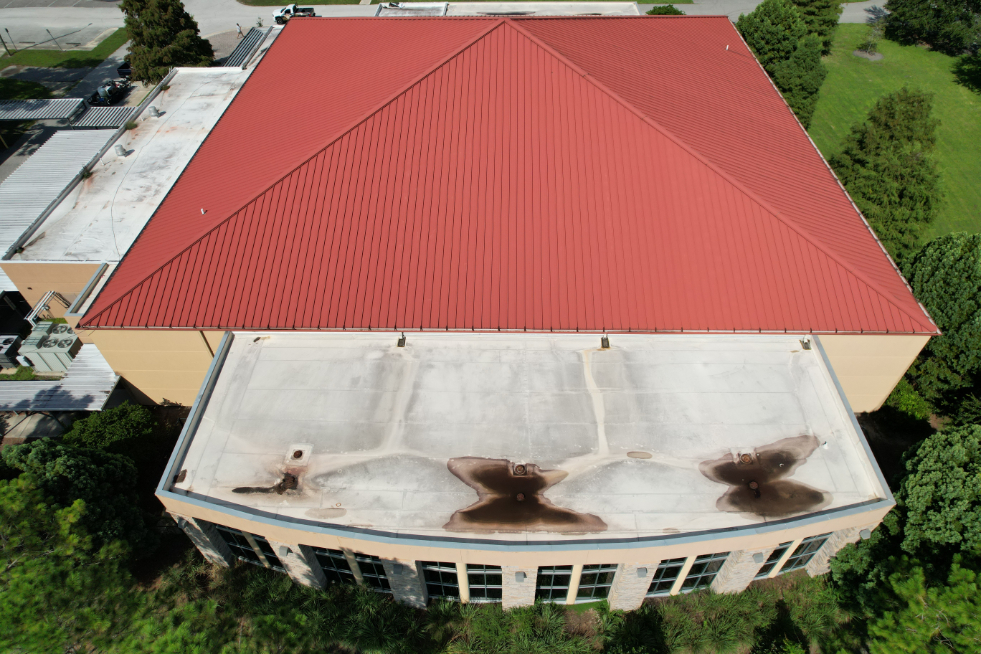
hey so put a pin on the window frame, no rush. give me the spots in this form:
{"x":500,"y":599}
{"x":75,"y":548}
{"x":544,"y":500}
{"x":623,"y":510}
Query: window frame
{"x":552,"y":571}
{"x":440,"y":576}
{"x":772,"y":560}
{"x":598,"y":587}
{"x":804,"y":552}
{"x":371,"y":568}
{"x":333,"y":573}
{"x":703,"y":577}
{"x":660,"y":576}
{"x":475,"y":588}
{"x":265,"y":557}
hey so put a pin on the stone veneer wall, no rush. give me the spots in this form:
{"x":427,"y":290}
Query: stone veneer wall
{"x":407,"y":585}
{"x":300,"y":563}
{"x":631,"y":584}
{"x":206,"y":538}
{"x":739,"y":570}
{"x":518,"y":593}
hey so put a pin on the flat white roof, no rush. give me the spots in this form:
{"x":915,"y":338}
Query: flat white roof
{"x":642,"y":439}
{"x":101,"y":218}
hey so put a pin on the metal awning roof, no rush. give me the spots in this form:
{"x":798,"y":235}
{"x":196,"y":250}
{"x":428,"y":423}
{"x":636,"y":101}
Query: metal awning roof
{"x":28,"y":192}
{"x":246,"y":48}
{"x":54,"y":109}
{"x":104,"y":117}
{"x":85,"y":387}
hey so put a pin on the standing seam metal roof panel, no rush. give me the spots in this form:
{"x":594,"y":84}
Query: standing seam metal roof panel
{"x":28,"y":191}
{"x":543,"y":162}
{"x":52,"y":109}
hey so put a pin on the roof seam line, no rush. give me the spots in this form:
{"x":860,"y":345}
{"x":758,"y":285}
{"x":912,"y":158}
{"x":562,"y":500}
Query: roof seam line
{"x":765,"y":205}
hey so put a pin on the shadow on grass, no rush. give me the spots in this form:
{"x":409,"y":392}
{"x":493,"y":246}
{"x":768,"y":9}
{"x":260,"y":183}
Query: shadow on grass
{"x":967,"y":70}
{"x":782,"y":630}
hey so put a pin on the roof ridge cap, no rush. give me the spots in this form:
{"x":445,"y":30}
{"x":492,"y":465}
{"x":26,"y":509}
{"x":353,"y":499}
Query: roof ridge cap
{"x":793,"y":225}
{"x":86,"y":319}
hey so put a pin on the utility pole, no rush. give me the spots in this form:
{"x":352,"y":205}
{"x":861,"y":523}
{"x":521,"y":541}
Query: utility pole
{"x":54,"y":39}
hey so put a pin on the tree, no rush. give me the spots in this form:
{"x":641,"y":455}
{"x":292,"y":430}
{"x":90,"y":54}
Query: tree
{"x":772,"y":31}
{"x":950,"y":26}
{"x":946,"y":277}
{"x":104,"y":482}
{"x":105,"y":430}
{"x":57,"y":587}
{"x":938,"y":619}
{"x":800,"y":78}
{"x":821,"y":18}
{"x":887,"y":165}
{"x":665,"y":10}
{"x":162,"y":35}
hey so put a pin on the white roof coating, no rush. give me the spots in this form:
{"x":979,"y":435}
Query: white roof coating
{"x":542,"y":8}
{"x":632,"y":441}
{"x":101,"y":218}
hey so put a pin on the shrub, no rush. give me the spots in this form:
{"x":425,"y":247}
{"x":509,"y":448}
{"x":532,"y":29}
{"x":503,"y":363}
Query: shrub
{"x":800,"y":78}
{"x":772,"y":31}
{"x":103,"y":430}
{"x":821,"y":18}
{"x":950,"y":26}
{"x":887,"y":165}
{"x":665,"y":10}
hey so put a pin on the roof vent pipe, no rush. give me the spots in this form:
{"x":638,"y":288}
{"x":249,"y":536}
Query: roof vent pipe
{"x":153,"y":112}
{"x":605,"y":342}
{"x":402,"y":340}
{"x":806,"y":342}
{"x":120,"y":150}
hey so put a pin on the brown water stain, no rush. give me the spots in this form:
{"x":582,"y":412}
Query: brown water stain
{"x":288,"y":482}
{"x":758,"y":480}
{"x":511,"y":499}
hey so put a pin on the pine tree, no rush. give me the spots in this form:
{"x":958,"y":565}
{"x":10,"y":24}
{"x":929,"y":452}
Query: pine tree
{"x":886,"y":164}
{"x":950,"y":26}
{"x":162,"y":35}
{"x":821,"y":18}
{"x":800,"y":78}
{"x":772,"y":31}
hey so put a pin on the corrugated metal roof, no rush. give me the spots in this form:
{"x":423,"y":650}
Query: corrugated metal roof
{"x":85,"y":387}
{"x":38,"y":182}
{"x":104,"y":117}
{"x":506,"y":187}
{"x":246,"y":47}
{"x":55,"y":109}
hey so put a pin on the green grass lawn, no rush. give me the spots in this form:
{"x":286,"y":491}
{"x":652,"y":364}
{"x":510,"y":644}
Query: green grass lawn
{"x":69,"y":59}
{"x":852,"y":87}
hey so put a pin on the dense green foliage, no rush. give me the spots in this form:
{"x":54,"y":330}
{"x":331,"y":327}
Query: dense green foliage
{"x":110,"y":429}
{"x":946,"y":278}
{"x":665,"y":10}
{"x":821,"y":18}
{"x":800,"y":78}
{"x":104,"y":482}
{"x":780,"y":39}
{"x":772,"y":31}
{"x":950,"y":26}
{"x":57,"y":586}
{"x":887,"y":165}
{"x":163,"y":36}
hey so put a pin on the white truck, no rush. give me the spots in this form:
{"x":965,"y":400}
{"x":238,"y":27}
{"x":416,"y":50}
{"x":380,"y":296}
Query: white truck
{"x":292,"y":11}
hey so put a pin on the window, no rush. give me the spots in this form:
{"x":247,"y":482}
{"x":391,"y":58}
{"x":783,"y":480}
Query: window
{"x":441,"y":579}
{"x":553,"y":583}
{"x":703,"y":571}
{"x":238,"y":543}
{"x":335,"y":566}
{"x":595,"y":582}
{"x":485,"y":582}
{"x":267,"y":551}
{"x":772,"y":560}
{"x":373,"y":573}
{"x":804,"y":552}
{"x":664,"y":577}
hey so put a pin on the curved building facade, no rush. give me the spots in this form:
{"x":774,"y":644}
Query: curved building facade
{"x":510,"y":467}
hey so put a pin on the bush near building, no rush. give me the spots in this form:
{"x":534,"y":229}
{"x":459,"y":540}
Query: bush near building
{"x":780,"y":39}
{"x":821,"y":18}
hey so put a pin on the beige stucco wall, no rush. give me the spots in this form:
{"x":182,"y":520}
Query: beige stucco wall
{"x":159,"y":366}
{"x":869,"y":366}
{"x":589,"y":553}
{"x":34,"y":279}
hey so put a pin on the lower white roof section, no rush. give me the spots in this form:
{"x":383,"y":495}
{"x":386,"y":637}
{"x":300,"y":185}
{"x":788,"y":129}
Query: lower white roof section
{"x":85,"y":387}
{"x":644,"y":439}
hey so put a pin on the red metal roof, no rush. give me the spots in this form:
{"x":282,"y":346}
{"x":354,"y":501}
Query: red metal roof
{"x":541,"y":174}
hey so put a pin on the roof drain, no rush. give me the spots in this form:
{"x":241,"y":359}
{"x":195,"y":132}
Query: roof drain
{"x":605,"y":342}
{"x":402,"y":340}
